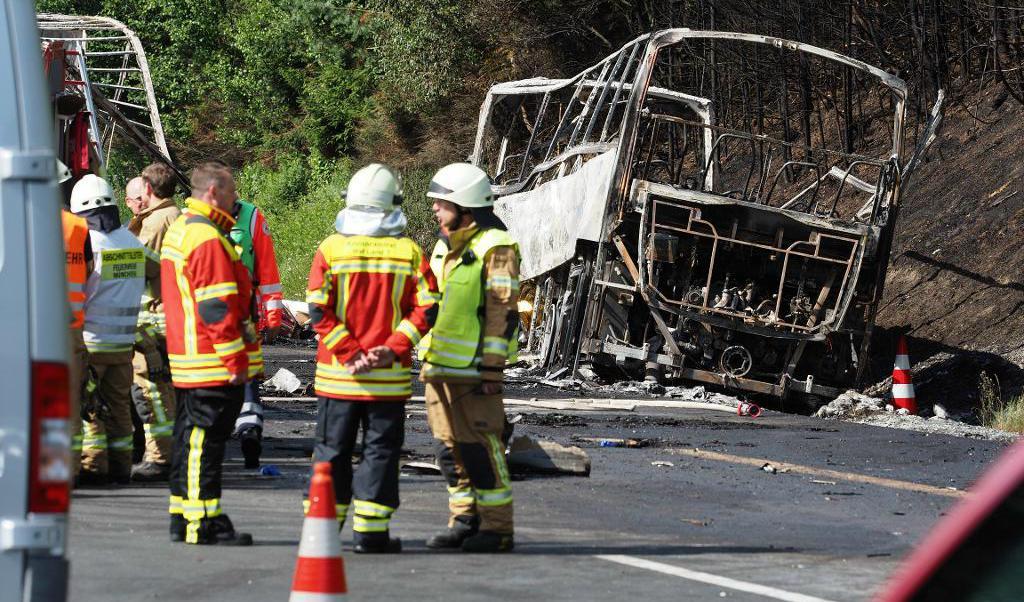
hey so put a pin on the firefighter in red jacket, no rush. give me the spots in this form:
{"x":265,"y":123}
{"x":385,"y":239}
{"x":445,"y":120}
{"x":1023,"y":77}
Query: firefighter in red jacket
{"x":372,"y":297}
{"x":213,"y":351}
{"x":252,"y":239}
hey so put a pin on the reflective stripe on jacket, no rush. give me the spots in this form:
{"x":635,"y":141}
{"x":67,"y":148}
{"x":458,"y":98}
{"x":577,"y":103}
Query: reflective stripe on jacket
{"x":76,"y":236}
{"x":113,"y":291}
{"x":471,"y":290}
{"x":363,"y":292}
{"x":206,"y":292}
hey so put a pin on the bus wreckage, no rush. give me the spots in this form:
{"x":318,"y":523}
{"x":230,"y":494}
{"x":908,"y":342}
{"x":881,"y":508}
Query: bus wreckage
{"x":706,"y":206}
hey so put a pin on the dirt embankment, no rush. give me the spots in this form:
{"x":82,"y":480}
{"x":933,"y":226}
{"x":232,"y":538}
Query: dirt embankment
{"x":957,"y":275}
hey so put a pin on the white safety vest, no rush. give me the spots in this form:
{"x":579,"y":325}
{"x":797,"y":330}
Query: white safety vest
{"x":113,"y":291}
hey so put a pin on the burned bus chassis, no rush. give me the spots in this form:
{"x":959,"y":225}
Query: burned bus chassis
{"x":662,"y":241}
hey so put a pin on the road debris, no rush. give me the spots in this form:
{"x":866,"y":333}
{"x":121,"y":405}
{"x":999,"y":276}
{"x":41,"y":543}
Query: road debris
{"x":697,"y":522}
{"x":865,"y":409}
{"x":421,"y":468}
{"x":283,"y":381}
{"x":820,"y":482}
{"x":547,"y":457}
{"x":772,"y":469}
{"x":662,"y":464}
{"x":612,"y":442}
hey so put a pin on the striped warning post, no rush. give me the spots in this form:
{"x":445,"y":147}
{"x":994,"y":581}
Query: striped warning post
{"x":319,"y":571}
{"x":902,"y":384}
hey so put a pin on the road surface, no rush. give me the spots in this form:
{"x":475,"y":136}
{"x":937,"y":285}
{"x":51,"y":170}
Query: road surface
{"x":849,"y":501}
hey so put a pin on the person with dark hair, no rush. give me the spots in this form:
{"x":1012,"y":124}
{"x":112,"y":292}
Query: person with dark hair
{"x":152,"y":391}
{"x":213,"y":351}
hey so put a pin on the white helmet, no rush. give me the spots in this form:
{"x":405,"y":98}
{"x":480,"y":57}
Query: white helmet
{"x":375,"y":186}
{"x":463,"y":184}
{"x":91,"y":192}
{"x":63,"y":173}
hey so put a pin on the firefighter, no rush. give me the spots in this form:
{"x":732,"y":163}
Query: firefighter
{"x":78,"y":257}
{"x":464,"y":359}
{"x":251,"y":235}
{"x":149,"y":198}
{"x":112,"y":294}
{"x":371,"y":297}
{"x":213,"y":351}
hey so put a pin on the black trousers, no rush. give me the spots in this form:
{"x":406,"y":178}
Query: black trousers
{"x":374,"y":485}
{"x":202,"y":426}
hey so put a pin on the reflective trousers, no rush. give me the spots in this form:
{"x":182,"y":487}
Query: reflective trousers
{"x":373,"y":490}
{"x":107,"y":433}
{"x":202,"y":427}
{"x":469,"y":425}
{"x":153,"y":394}
{"x":78,"y":370}
{"x":251,"y":415}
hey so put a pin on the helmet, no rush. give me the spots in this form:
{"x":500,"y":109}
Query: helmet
{"x":63,"y":173}
{"x":463,"y":184}
{"x":91,"y":192}
{"x":374,"y":186}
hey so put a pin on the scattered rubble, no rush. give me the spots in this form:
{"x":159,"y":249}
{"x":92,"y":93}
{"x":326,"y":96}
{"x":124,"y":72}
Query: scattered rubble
{"x":547,"y":457}
{"x":866,"y":409}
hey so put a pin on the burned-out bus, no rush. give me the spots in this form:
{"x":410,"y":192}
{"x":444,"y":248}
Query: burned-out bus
{"x":705,"y":206}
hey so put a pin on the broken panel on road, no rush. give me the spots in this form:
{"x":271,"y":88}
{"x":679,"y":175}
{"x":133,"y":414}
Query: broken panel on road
{"x":707,"y":206}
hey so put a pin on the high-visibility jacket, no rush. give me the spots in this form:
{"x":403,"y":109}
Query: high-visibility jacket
{"x":251,"y":234}
{"x":206,"y":292}
{"x":465,"y":334}
{"x":363,"y":292}
{"x":113,"y":291}
{"x":76,"y":241}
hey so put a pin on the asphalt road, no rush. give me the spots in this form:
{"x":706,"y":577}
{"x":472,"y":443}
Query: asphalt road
{"x":712,"y":525}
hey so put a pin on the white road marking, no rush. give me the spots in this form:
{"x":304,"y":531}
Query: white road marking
{"x":726,"y":582}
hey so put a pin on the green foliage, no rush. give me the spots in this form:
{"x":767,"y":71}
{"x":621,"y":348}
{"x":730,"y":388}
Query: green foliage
{"x":425,"y":50}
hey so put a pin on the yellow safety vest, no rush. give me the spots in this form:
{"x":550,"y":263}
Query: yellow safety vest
{"x":456,"y":340}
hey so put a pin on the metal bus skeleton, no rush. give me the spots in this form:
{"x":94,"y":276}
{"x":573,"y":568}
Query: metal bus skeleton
{"x":702,"y":205}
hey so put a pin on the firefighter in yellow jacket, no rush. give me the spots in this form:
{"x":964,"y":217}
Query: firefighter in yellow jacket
{"x":465,"y":354}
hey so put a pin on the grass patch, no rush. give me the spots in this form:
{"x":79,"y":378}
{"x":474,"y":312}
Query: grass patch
{"x":995,"y":411}
{"x":301,"y":198}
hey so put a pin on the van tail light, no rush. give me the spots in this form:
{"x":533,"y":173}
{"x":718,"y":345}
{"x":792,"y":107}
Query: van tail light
{"x":50,"y":446}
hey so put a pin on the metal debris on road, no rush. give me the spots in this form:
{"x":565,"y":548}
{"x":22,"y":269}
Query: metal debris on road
{"x":662,"y":464}
{"x":421,"y":468}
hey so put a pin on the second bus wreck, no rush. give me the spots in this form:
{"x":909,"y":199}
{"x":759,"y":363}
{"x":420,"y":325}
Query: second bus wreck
{"x":709,"y":206}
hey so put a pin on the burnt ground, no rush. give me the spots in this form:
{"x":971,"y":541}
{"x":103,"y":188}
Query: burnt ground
{"x":955,"y":281}
{"x":822,"y":536}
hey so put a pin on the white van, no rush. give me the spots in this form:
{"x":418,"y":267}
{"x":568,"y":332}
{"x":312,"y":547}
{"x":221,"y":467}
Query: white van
{"x":34,"y":318}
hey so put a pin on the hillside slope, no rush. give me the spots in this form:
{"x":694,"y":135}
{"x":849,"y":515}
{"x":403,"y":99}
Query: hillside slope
{"x":957,"y":272}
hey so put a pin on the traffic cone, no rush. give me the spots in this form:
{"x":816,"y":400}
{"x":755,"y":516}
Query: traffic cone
{"x":319,"y":571}
{"x":902,"y":384}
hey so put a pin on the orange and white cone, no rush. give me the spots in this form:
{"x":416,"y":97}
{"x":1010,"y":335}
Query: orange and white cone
{"x":902,"y":384}
{"x":319,"y":571}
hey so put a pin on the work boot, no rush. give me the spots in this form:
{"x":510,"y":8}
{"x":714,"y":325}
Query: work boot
{"x":219,"y":531}
{"x":252,"y":446}
{"x":178,"y":524}
{"x":488,"y":542}
{"x":452,"y":537}
{"x":376,"y":543}
{"x":150,"y":472}
{"x":89,"y":478}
